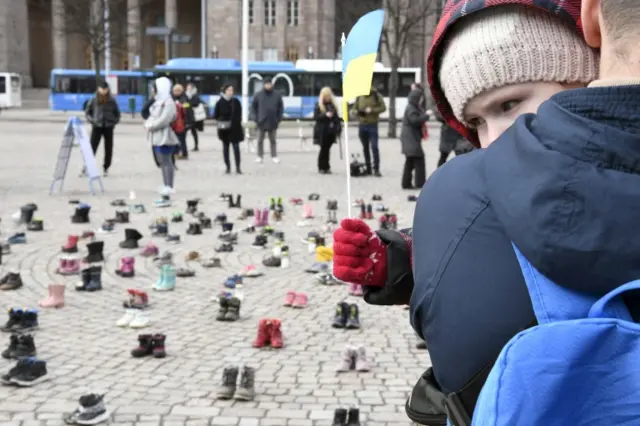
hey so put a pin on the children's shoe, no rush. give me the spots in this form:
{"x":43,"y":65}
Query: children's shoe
{"x":163,"y":201}
{"x":339,"y":417}
{"x":176,"y":217}
{"x":141,"y":319}
{"x":353,"y":317}
{"x":95,"y":279}
{"x":213,"y":262}
{"x":19,"y":238}
{"x":362,"y":363}
{"x":233,"y":309}
{"x":185,"y":273}
{"x":157,"y":346}
{"x":246,"y":386}
{"x":224,"y":248}
{"x":326,"y":278}
{"x":173,"y":238}
{"x":347,"y":357}
{"x":55,"y":298}
{"x":233,"y":281}
{"x":145,"y":346}
{"x":149,"y":250}
{"x":251,"y":272}
{"x":71,"y":246}
{"x":289,"y":298}
{"x":264,"y":334}
{"x":340,"y":317}
{"x":260,"y":242}
{"x":272,"y":262}
{"x":91,"y":411}
{"x":126,"y":319}
{"x":353,"y":418}
{"x":275,"y":337}
{"x":227,"y":387}
{"x":318,"y":267}
{"x":166,"y":258}
{"x":167,"y":280}
{"x":357,"y":290}
{"x":191,"y":256}
{"x":223,"y":303}
{"x":15,"y":318}
{"x":12,"y":281}
{"x":300,"y":301}
{"x":127,"y":267}
{"x":30,"y":372}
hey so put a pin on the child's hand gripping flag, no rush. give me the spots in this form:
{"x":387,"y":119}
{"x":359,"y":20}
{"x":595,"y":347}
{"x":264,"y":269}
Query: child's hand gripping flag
{"x":359,"y":53}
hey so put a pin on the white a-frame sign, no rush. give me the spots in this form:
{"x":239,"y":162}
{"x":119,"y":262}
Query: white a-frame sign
{"x":74,"y":134}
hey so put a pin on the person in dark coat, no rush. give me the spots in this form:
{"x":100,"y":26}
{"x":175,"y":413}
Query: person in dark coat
{"x":326,"y":129}
{"x":267,"y":110}
{"x":449,"y":139}
{"x":228,"y":114}
{"x":180,"y":97}
{"x":195,"y":103}
{"x":103,"y":113}
{"x":411,"y":138}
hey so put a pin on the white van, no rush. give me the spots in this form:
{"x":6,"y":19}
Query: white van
{"x":10,"y":90}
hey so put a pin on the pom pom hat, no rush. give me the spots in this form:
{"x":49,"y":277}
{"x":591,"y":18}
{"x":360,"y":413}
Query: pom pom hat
{"x":495,"y":46}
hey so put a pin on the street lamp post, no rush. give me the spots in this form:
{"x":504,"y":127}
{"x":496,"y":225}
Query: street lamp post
{"x":245,"y":61}
{"x":203,"y":29}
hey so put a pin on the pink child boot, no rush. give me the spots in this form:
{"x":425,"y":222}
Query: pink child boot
{"x":56,"y":297}
{"x":62,"y":267}
{"x":127,"y":268}
{"x":265,"y":217}
{"x":257,"y":217}
{"x":307,"y":211}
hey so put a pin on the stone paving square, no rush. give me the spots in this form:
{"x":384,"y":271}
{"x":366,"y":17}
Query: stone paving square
{"x":87,"y":352}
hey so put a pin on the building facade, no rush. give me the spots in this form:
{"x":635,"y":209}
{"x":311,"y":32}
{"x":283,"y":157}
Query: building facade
{"x":38,"y":35}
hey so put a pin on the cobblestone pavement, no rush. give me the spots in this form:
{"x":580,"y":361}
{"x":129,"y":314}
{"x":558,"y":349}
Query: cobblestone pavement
{"x":85,"y":350}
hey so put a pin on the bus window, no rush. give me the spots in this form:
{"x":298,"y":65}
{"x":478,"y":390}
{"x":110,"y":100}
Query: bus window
{"x":381,"y":83}
{"x":302,"y":84}
{"x":3,"y":84}
{"x":405,"y":80}
{"x":329,"y":79}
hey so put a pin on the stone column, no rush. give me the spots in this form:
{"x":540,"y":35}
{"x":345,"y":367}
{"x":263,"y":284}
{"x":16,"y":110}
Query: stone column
{"x":59,"y":35}
{"x":133,"y":32}
{"x":281,"y":25}
{"x":171,"y":21}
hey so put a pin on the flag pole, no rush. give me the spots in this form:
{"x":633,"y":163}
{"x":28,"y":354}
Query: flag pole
{"x":345,"y":116}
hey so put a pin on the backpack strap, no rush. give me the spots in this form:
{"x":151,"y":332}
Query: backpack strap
{"x":553,"y":303}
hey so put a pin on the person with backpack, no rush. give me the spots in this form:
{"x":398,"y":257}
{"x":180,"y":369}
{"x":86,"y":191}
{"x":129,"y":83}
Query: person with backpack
{"x":162,"y":113}
{"x":368,"y":109}
{"x":413,"y":122}
{"x":468,"y":296}
{"x":184,"y":119}
{"x":103,"y":113}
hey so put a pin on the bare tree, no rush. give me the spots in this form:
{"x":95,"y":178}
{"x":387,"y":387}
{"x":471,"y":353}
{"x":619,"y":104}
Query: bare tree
{"x":88,"y":21}
{"x":405,"y":22}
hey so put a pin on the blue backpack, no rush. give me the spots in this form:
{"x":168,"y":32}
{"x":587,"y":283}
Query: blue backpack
{"x":580,"y":366}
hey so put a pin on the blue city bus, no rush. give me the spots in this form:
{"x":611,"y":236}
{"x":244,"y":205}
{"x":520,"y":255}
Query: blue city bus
{"x":299,"y":83}
{"x":70,"y":89}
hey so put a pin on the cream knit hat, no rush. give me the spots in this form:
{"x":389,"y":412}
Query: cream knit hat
{"x":511,"y":44}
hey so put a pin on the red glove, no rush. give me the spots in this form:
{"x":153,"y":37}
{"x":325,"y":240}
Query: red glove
{"x":360,"y":257}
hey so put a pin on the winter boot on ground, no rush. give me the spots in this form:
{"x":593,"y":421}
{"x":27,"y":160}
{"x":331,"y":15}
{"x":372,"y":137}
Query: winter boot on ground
{"x":13,"y":345}
{"x":339,"y":417}
{"x":167,"y":280}
{"x":346,"y":359}
{"x":369,"y":214}
{"x":265,"y":218}
{"x":227,"y":388}
{"x":257,"y":218}
{"x":353,"y":418}
{"x":260,"y":241}
{"x":96,"y":249}
{"x":307,"y":210}
{"x":223,"y":308}
{"x":68,"y":267}
{"x":95,"y":279}
{"x":205,"y":222}
{"x":56,"y":297}
{"x":15,"y":317}
{"x":26,"y":213}
{"x":32,"y":372}
{"x":233,"y":310}
{"x":145,"y":346}
{"x":353,"y":317}
{"x":192,"y":206}
{"x":194,"y":229}
{"x":13,"y":282}
{"x":363,"y":211}
{"x":91,"y":411}
{"x":149,"y":250}
{"x":28,"y":321}
{"x":127,"y":267}
{"x":35,"y":225}
{"x":238,"y":202}
{"x":246,"y":385}
{"x":122,"y":216}
{"x":85,"y":275}
{"x":81,"y":214}
{"x":157,"y":346}
{"x":131,"y":238}
{"x":264,"y":333}
{"x":160,"y":230}
{"x":17,"y":238}
{"x":362,"y":362}
{"x":220,"y":218}
{"x":275,"y":338}
{"x":24,"y":348}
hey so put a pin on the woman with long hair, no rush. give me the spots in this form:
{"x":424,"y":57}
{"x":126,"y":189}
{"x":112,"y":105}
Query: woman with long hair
{"x":327,"y":128}
{"x":228,"y":114}
{"x":103,"y":113}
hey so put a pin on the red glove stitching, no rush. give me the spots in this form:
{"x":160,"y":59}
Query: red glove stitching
{"x":409,"y":241}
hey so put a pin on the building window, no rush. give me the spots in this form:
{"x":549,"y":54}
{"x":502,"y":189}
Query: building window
{"x":270,"y":13}
{"x":293,"y":13}
{"x":251,"y":16}
{"x":270,"y":55}
{"x":292,"y":54}
{"x":252,"y":55}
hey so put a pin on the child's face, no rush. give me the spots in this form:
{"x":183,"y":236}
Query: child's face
{"x":494,"y":111}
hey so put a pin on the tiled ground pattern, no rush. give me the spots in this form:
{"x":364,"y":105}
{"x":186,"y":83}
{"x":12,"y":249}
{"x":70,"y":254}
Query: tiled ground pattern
{"x":84,"y":349}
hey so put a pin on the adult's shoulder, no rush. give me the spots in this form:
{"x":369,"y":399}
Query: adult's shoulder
{"x":462,"y":174}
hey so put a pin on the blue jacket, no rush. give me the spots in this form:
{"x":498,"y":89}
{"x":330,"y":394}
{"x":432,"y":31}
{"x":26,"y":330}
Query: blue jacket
{"x":564,"y":186}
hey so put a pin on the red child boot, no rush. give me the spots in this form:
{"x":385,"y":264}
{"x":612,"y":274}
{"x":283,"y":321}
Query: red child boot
{"x":72,"y":244}
{"x":264,"y":334}
{"x":369,"y":211}
{"x":276,"y":334}
{"x":363,"y":211}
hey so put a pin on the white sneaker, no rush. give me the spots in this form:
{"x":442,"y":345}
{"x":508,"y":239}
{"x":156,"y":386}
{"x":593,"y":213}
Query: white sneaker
{"x":275,"y":160}
{"x":126,"y":319}
{"x":141,"y":320}
{"x":259,"y":160}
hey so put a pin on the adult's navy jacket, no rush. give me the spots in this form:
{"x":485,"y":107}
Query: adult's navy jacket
{"x":564,"y":186}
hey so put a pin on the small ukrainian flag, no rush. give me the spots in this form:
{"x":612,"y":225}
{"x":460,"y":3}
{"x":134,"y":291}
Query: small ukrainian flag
{"x":359,"y":55}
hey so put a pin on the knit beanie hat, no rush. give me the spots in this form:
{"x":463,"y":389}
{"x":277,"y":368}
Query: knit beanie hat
{"x":485,"y":45}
